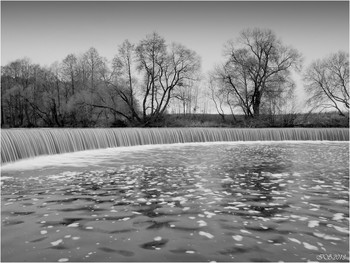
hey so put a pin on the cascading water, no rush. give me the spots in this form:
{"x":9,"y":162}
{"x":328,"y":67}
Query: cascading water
{"x":25,"y":143}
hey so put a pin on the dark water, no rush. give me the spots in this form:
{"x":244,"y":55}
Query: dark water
{"x":211,"y":202}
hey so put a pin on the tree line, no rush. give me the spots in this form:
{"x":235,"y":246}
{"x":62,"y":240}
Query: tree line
{"x":144,"y":81}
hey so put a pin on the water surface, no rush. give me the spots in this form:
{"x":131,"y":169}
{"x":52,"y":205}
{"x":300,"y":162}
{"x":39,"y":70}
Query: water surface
{"x":261,"y":201}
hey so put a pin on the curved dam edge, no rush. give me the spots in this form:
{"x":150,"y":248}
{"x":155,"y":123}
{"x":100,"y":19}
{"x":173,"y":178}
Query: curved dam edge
{"x":17,"y":144}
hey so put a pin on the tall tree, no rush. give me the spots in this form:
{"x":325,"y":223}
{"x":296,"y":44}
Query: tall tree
{"x":118,"y":96}
{"x":93,"y":62}
{"x":151,"y":55}
{"x":79,"y":90}
{"x":70,"y":71}
{"x":164,"y":69}
{"x":17,"y":84}
{"x":255,"y":62}
{"x":327,"y":82}
{"x":91,"y":67}
{"x":124,"y":78}
{"x":217,"y":96}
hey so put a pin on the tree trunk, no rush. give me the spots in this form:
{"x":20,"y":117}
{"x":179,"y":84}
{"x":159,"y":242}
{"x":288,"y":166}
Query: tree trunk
{"x":256,"y":104}
{"x":72,"y":80}
{"x":2,"y":115}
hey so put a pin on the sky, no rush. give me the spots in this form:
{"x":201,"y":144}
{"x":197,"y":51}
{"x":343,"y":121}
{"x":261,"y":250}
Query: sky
{"x":47,"y":31}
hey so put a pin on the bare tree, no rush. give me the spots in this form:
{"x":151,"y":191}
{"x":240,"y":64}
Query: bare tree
{"x":164,"y":69}
{"x":186,"y":95}
{"x":137,"y":85}
{"x":70,"y":71}
{"x":18,"y":89}
{"x":217,"y":96}
{"x":90,"y":67}
{"x":151,"y":55}
{"x":254,"y":63}
{"x":327,"y":82}
{"x":123,"y":79}
{"x":233,"y":85}
{"x":118,"y":95}
{"x":93,"y":61}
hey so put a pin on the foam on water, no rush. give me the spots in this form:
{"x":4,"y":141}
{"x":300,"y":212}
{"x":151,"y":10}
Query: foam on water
{"x":98,"y":156}
{"x":236,"y":201}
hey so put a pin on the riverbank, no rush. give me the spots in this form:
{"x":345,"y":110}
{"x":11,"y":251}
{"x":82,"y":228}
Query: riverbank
{"x":307,"y":120}
{"x":297,"y":120}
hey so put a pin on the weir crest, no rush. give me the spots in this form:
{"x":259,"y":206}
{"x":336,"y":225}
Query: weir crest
{"x":19,"y":144}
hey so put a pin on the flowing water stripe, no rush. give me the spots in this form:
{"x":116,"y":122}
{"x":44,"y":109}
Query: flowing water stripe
{"x":25,"y":143}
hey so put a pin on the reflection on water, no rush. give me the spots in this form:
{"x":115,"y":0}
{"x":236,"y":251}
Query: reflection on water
{"x":215,"y":202}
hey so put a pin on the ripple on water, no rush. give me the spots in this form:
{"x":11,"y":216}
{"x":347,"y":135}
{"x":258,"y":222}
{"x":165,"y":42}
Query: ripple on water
{"x":279,"y":201}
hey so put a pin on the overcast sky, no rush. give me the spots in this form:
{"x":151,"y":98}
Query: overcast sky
{"x":48,"y":31}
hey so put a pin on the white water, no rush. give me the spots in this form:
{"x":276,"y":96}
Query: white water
{"x":25,"y":143}
{"x":101,"y":157}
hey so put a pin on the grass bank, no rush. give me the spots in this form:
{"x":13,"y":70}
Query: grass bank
{"x":307,"y":120}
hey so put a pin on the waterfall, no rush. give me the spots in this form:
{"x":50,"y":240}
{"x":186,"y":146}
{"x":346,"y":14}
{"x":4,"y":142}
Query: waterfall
{"x":25,"y":143}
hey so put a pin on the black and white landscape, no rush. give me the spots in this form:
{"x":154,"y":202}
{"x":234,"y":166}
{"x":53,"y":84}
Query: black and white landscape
{"x":174,"y":131}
